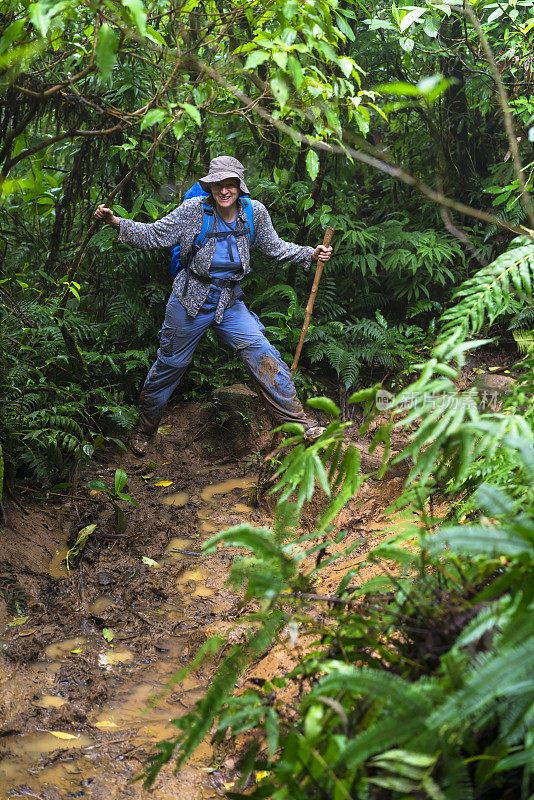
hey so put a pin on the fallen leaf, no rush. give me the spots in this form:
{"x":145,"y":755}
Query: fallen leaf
{"x":105,"y":724}
{"x":28,"y":632}
{"x":76,"y":650}
{"x":163,"y":483}
{"x":62,"y":735}
{"x":108,"y":634}
{"x":94,"y":491}
{"x":165,"y":429}
{"x":150,"y":561}
{"x":147,"y":477}
{"x":17,"y":621}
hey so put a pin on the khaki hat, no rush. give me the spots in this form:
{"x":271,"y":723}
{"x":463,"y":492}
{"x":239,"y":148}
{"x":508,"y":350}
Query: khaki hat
{"x":224,"y":167}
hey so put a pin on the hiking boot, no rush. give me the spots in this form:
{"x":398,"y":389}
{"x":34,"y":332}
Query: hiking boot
{"x":139,"y":442}
{"x":313,"y":432}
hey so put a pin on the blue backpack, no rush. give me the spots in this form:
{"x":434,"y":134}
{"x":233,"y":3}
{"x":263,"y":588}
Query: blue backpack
{"x":207,"y":225}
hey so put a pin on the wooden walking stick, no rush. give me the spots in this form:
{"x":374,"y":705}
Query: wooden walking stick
{"x":311,"y":300}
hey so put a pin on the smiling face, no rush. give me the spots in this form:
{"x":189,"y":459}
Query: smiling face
{"x":225,"y":194}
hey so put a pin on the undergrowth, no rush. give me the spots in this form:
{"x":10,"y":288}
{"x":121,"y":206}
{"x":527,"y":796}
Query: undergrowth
{"x":416,"y":682}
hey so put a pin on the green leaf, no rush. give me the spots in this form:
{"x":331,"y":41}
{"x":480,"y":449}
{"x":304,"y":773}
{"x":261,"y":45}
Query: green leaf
{"x":271,"y":731}
{"x":346,"y":66}
{"x":380,"y":24}
{"x":12,"y":33}
{"x":256,"y":58}
{"x":431,"y":27}
{"x":295,"y":70}
{"x":324,"y":404}
{"x":138,"y":13}
{"x":152,"y":117}
{"x":477,"y":540}
{"x":193,"y":112}
{"x":120,"y":520}
{"x":280,"y":88}
{"x":410,"y":17}
{"x":399,"y":88}
{"x":280,"y":58}
{"x":344,"y":27}
{"x":98,"y":486}
{"x":121,"y":480}
{"x":42,"y":14}
{"x":312,"y":164}
{"x":313,"y":721}
{"x":406,"y":44}
{"x":155,"y":36}
{"x":106,"y":51}
{"x":108,"y":634}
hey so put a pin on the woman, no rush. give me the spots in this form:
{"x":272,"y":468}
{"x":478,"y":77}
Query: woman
{"x":206,"y":293}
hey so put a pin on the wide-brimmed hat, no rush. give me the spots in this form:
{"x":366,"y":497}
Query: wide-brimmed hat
{"x":224,"y":167}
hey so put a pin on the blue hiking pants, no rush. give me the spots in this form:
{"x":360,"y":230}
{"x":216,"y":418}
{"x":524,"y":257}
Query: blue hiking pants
{"x":242,"y":331}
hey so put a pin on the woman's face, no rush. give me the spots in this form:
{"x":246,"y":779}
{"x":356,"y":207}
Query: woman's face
{"x":225,"y":193}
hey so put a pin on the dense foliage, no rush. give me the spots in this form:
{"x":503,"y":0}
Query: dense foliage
{"x":416,"y":682}
{"x":408,"y":130}
{"x":126,"y":104}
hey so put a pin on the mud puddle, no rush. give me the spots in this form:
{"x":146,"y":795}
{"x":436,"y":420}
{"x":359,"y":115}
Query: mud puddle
{"x":91,"y":651}
{"x":84,"y":743}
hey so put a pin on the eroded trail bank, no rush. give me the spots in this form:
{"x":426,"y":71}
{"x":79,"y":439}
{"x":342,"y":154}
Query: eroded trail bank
{"x":83,"y":654}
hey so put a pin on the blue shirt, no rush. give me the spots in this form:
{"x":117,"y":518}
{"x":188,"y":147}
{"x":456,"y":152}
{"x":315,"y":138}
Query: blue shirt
{"x":222,"y":265}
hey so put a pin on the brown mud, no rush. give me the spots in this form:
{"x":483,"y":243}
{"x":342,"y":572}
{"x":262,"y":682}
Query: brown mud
{"x":77,"y":716}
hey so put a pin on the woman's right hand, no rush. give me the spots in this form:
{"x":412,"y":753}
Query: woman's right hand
{"x":105,"y":214}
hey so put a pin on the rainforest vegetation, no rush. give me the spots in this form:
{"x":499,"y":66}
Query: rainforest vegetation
{"x":409,"y":130}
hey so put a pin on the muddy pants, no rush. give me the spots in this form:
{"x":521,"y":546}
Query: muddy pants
{"x":241,"y":330}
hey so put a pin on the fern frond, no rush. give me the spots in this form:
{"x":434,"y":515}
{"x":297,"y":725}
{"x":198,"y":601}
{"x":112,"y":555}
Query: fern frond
{"x":489,"y":293}
{"x":277,"y":291}
{"x":524,"y":339}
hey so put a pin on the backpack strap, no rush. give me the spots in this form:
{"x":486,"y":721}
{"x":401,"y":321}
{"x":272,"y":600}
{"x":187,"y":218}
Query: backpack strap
{"x":247,"y":205}
{"x":208,"y":224}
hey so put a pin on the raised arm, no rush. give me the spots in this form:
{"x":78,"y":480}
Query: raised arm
{"x":165,"y":232}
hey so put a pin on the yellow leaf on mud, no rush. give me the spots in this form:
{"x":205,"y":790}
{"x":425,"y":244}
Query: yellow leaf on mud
{"x":163,"y":483}
{"x":165,"y":429}
{"x":17,"y":621}
{"x":261,"y":775}
{"x":63,"y":735}
{"x":148,"y":476}
{"x":28,"y":632}
{"x":105,"y":724}
{"x":93,"y":492}
{"x":150,"y":562}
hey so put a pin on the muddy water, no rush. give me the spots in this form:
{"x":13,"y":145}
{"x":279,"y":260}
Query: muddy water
{"x":80,"y":759}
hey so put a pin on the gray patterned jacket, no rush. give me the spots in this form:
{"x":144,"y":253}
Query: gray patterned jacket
{"x":183,"y":225}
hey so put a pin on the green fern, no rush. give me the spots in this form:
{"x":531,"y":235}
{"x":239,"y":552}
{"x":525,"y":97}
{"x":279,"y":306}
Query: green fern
{"x":490,"y":292}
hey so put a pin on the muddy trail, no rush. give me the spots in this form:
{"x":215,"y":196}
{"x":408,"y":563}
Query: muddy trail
{"x":82,"y":654}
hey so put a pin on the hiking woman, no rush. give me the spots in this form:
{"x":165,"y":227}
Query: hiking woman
{"x":206,"y":293}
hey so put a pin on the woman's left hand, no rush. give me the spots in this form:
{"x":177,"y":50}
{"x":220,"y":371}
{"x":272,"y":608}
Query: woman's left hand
{"x":322,"y":253}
